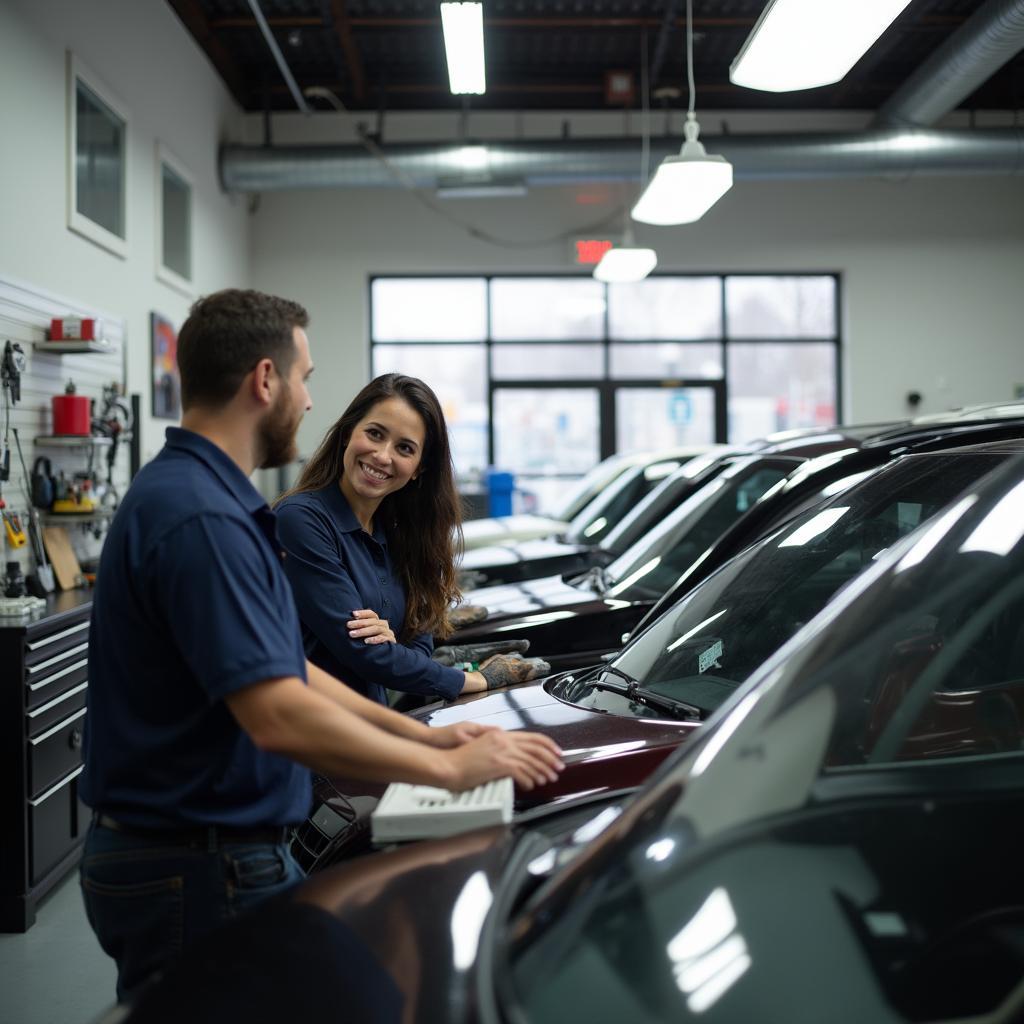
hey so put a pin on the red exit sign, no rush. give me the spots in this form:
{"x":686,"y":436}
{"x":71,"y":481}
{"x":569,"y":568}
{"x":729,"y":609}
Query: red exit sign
{"x":590,"y":250}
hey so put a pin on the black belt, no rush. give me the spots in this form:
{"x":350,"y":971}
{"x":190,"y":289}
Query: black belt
{"x":198,"y":834}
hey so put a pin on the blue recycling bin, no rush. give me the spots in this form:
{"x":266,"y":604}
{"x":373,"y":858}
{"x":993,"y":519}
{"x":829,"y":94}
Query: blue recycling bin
{"x":500,"y":486}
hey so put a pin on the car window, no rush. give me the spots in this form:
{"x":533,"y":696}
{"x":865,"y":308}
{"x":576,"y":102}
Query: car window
{"x":651,"y":566}
{"x":603,"y":514}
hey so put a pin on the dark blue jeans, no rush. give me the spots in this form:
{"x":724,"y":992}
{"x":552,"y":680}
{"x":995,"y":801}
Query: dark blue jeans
{"x":147,"y":900}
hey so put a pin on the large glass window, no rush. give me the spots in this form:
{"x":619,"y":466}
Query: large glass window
{"x":508,"y":355}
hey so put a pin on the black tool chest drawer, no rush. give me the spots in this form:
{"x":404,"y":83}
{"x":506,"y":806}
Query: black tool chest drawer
{"x":44,"y":667}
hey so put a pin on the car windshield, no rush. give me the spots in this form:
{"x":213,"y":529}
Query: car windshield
{"x":911,"y":682}
{"x":609,"y":507}
{"x":711,"y":641}
{"x":654,"y":563}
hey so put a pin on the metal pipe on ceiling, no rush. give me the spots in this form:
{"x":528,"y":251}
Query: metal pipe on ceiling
{"x":282,"y":64}
{"x":559,"y":162}
{"x":970,"y":56}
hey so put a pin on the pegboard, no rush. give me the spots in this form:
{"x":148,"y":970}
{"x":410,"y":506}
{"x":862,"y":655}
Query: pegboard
{"x":25,"y":314}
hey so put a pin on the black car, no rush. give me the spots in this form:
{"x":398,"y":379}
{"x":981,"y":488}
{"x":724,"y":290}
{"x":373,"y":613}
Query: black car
{"x":576,"y":621}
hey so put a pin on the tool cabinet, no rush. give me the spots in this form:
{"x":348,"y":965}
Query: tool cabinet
{"x":44,"y":672}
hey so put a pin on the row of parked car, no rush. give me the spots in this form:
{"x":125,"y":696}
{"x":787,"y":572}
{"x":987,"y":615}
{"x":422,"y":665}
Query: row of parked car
{"x":789,"y":687}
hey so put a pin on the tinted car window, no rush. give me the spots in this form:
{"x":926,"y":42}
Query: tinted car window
{"x":602,"y":515}
{"x":701,"y":650}
{"x":652,"y":565}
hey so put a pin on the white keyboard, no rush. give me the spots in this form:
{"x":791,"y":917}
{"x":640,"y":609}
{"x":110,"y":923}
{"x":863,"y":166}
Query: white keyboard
{"x":408,"y":812}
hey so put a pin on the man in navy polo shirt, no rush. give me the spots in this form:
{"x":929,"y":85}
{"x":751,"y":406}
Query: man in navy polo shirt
{"x":204,"y":716}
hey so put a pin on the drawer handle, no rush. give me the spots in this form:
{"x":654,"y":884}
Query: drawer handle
{"x":75,"y":739}
{"x":57,"y":700}
{"x":34,"y":645}
{"x":60,"y":785}
{"x":57,"y":728}
{"x":63,"y":656}
{"x":57,"y":675}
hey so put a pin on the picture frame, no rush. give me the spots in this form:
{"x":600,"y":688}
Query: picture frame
{"x":164,"y":378}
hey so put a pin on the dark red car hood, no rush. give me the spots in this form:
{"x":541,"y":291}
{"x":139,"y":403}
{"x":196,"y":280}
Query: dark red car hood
{"x":601,"y":751}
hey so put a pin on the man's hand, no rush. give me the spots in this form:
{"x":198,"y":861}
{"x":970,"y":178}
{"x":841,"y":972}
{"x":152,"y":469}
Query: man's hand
{"x":512,"y":669}
{"x":530,"y":758}
{"x":365,"y":625}
{"x":449,"y":736}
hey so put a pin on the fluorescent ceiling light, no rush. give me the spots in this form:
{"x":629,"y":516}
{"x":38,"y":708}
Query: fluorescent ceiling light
{"x":463,"y":26}
{"x":686,"y":186}
{"x":617,"y":266}
{"x":481,"y":188}
{"x":802,"y":44}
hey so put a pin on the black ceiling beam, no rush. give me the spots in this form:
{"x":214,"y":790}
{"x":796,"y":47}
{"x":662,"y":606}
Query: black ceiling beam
{"x":193,"y":18}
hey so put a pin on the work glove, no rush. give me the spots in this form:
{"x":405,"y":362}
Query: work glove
{"x":466,"y":615}
{"x":512,"y":669}
{"x":477,"y":654}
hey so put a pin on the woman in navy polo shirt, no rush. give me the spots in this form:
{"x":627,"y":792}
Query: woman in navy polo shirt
{"x":370,"y":533}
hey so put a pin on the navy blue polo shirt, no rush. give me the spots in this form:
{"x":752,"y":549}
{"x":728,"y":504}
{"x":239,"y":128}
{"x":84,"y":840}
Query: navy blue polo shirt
{"x":336,"y":567}
{"x":191,"y":605}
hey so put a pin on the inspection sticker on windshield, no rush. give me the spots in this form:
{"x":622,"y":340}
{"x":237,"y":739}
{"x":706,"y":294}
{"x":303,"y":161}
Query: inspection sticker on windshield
{"x":709,"y":658}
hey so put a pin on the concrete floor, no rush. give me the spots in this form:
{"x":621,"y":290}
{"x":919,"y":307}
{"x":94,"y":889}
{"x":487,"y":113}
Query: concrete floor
{"x":56,"y":972}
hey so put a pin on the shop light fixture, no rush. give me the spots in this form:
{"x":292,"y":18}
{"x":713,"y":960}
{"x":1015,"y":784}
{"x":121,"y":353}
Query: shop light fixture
{"x":686,"y":186}
{"x":463,"y":27}
{"x":803,"y":44}
{"x":626,"y":263}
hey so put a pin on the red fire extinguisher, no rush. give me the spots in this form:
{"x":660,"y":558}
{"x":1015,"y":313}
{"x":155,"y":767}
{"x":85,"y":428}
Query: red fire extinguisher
{"x":71,"y":413}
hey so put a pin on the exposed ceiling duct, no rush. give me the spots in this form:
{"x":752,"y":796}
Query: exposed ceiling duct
{"x":561,"y":162}
{"x":898,"y":145}
{"x":981,"y":46}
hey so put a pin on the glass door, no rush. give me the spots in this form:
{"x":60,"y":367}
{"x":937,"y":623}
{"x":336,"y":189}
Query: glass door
{"x":656,"y":415}
{"x":549,"y":434}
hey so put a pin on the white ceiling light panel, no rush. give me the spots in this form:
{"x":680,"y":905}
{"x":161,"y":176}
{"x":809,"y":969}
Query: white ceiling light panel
{"x":463,"y":27}
{"x":803,"y":44}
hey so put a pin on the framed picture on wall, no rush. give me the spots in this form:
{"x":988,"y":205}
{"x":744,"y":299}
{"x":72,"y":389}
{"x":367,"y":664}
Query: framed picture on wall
{"x":165,"y":380}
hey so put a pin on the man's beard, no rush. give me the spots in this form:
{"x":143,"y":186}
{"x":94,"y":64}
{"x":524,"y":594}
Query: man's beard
{"x":277,"y":432}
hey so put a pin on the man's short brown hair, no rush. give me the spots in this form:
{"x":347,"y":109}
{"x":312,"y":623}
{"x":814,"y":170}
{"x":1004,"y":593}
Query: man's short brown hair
{"x":226,"y":335}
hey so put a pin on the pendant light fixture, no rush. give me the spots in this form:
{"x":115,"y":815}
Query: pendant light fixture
{"x":627,"y":263}
{"x":803,"y":44}
{"x":686,"y":186}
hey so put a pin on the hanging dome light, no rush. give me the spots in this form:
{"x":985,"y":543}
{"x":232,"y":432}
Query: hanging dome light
{"x":686,"y":186}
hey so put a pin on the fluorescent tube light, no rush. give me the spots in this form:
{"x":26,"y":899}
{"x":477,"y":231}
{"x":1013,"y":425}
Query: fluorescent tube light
{"x":802,"y":44}
{"x":686,"y":186}
{"x":463,"y":26}
{"x":623,"y":265}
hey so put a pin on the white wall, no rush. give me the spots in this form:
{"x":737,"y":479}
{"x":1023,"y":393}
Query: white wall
{"x":932,"y":270}
{"x":143,"y":54}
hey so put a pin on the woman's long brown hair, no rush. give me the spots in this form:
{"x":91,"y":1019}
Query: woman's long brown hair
{"x":423,"y":520}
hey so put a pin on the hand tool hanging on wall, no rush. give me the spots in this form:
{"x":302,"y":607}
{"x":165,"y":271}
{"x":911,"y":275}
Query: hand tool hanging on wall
{"x":41,"y":582}
{"x":12,"y":366}
{"x":115,"y":421}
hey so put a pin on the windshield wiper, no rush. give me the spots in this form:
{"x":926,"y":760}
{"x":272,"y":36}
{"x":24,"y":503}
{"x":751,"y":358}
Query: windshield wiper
{"x":632,"y":690}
